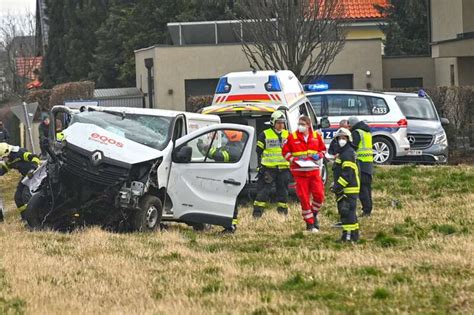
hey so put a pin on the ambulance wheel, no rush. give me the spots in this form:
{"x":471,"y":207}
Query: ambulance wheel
{"x":148,"y":217}
{"x":383,"y":151}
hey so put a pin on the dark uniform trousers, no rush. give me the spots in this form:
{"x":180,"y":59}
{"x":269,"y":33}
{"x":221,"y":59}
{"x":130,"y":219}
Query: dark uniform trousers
{"x":268,"y":176}
{"x":365,"y":195}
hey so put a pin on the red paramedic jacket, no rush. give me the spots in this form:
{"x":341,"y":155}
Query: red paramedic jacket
{"x":295,"y":147}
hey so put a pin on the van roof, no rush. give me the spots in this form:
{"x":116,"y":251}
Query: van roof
{"x":157,"y":112}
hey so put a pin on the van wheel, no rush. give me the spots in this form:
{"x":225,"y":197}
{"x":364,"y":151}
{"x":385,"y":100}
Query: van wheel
{"x":148,"y":217}
{"x":201,"y":227}
{"x":383,"y":151}
{"x":25,"y":194}
{"x":38,"y":207}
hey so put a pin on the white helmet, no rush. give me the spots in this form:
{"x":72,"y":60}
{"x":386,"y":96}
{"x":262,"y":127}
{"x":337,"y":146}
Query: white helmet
{"x":277,"y":116}
{"x":5,"y":149}
{"x":343,"y":132}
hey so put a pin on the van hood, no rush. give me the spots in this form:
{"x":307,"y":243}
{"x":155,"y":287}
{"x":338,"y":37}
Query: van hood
{"x":93,"y":138}
{"x":430,"y":127}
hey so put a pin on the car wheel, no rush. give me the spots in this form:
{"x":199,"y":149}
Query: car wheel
{"x":38,"y":207}
{"x":383,"y":151}
{"x":324,"y":172}
{"x":148,"y":217}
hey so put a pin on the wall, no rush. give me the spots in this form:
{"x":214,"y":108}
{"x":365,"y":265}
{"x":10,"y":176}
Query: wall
{"x":141,"y":71}
{"x":175,"y":64}
{"x":446,"y":19}
{"x":443,"y":73}
{"x":468,"y":18}
{"x":409,"y":67}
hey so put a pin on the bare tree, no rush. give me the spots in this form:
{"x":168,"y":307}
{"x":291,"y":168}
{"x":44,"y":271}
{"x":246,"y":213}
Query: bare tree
{"x":299,"y":35}
{"x":20,"y":62}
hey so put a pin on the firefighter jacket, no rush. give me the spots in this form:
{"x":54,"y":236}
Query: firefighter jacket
{"x":21,"y":160}
{"x":346,"y":173}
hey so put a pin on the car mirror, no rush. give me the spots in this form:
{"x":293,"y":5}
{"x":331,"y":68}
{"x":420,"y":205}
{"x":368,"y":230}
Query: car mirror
{"x":183,"y":154}
{"x":444,"y":121}
{"x":325,"y":123}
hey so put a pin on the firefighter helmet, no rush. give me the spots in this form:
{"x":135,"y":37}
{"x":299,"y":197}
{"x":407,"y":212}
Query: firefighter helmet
{"x":277,"y":116}
{"x":343,"y":132}
{"x":5,"y":149}
{"x":233,"y":135}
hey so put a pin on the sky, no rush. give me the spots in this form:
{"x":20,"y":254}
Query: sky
{"x":17,"y":6}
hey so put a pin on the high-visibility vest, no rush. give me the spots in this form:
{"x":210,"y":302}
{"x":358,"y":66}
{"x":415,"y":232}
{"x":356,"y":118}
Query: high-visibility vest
{"x":272,"y":156}
{"x":365,"y":152}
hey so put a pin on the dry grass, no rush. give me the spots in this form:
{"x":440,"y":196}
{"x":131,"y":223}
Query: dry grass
{"x":415,"y":257}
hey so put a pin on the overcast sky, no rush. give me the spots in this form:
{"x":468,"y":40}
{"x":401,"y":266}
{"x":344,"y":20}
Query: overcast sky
{"x":17,"y":6}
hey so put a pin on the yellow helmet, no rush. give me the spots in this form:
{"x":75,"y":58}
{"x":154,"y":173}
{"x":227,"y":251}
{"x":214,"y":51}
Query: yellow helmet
{"x":5,"y":149}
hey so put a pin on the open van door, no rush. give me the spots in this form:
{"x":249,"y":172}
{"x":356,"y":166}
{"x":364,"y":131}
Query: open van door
{"x":208,"y":171}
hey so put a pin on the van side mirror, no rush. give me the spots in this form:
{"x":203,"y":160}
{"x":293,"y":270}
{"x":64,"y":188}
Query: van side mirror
{"x":444,"y":121}
{"x":325,"y":123}
{"x":183,"y":154}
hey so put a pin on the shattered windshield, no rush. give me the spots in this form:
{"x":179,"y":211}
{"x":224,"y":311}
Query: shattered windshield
{"x":152,"y":131}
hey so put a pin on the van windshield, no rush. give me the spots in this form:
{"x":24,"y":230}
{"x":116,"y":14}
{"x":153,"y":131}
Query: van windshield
{"x":417,"y":108}
{"x":152,"y":131}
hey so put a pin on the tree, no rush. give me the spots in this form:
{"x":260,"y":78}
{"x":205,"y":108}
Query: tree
{"x":407,"y":30}
{"x":18,"y":43}
{"x":299,"y":35}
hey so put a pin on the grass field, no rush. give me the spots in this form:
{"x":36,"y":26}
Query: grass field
{"x":416,"y":256}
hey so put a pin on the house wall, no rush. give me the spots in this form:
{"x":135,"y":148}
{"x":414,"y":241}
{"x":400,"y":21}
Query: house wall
{"x":409,"y":67}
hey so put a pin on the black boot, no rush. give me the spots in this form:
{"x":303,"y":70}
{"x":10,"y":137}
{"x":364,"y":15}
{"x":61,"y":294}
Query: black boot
{"x":230,"y":230}
{"x":283,"y":211}
{"x":355,"y":236}
{"x":316,"y":220}
{"x":1,"y":215}
{"x":346,"y":236}
{"x":257,"y":212}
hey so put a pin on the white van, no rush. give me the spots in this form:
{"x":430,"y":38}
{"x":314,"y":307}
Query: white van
{"x":129,"y":168}
{"x":250,"y":98}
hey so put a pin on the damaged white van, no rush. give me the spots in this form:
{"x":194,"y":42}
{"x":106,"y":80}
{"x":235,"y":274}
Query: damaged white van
{"x":128,"y":169}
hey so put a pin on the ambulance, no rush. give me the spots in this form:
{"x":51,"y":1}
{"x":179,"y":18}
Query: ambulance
{"x":250,"y":98}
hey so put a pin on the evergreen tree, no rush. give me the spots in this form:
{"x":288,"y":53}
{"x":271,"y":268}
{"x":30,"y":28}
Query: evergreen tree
{"x":407,"y":30}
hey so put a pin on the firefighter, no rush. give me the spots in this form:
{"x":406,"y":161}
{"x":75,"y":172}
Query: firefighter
{"x":230,"y":151}
{"x":346,"y":186}
{"x":362,"y":141}
{"x":306,"y":145}
{"x":23,"y":161}
{"x":273,"y":168}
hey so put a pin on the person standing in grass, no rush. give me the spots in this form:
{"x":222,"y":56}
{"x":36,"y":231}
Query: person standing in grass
{"x":303,"y":149}
{"x":346,"y":186}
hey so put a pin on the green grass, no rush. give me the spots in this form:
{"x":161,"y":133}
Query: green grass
{"x":415,"y":256}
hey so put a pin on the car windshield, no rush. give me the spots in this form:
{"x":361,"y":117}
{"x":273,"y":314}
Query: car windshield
{"x":152,"y":131}
{"x":417,"y":108}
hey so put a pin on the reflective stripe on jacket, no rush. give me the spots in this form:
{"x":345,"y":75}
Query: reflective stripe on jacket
{"x":297,"y":148}
{"x":365,"y":152}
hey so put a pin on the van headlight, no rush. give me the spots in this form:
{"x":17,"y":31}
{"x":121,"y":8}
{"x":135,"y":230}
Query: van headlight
{"x":441,"y":138}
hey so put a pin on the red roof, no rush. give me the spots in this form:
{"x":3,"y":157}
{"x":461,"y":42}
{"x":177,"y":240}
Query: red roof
{"x":358,"y":9}
{"x":363,"y":9}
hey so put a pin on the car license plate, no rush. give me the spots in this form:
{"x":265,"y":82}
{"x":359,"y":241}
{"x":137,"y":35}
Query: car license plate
{"x":415,"y":152}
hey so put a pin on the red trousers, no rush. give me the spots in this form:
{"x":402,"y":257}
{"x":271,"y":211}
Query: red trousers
{"x":307,"y":187}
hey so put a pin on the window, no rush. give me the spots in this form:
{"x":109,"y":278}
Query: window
{"x":221,"y":146}
{"x":347,"y":105}
{"x":406,"y":83}
{"x":303,"y":111}
{"x":317,"y":103}
{"x":379,"y":107}
{"x":313,"y":117}
{"x":417,"y":108}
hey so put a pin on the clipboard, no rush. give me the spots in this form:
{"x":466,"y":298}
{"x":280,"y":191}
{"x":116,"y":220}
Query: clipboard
{"x":305,"y":164}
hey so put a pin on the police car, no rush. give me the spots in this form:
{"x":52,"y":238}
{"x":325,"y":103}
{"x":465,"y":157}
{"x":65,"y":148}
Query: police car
{"x":249,"y":98}
{"x":379,"y":110}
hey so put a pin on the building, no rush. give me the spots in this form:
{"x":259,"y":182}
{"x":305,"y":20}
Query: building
{"x":204,"y":51}
{"x":452,"y":36}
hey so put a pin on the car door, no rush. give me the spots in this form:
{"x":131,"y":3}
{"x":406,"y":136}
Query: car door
{"x":202,"y":187}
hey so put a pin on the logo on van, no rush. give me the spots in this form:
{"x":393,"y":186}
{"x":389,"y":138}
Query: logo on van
{"x":105,"y":140}
{"x":411,"y":139}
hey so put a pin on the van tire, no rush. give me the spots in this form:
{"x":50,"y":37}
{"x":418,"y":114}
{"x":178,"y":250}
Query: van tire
{"x":36,"y":211}
{"x":384,"y":151}
{"x":148,"y":217}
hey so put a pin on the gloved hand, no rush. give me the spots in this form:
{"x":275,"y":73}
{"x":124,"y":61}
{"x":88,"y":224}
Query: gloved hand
{"x":30,"y":174}
{"x":316,"y":157}
{"x":294,"y":159}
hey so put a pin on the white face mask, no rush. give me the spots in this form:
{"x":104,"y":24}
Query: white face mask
{"x":342,"y":142}
{"x":302,"y":128}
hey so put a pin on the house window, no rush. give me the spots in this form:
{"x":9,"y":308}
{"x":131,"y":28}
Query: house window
{"x":453,"y":81}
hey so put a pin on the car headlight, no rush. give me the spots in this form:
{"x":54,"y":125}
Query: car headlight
{"x":440,"y":138}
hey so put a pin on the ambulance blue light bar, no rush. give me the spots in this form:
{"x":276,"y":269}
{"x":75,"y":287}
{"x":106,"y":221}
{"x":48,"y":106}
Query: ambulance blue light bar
{"x":273,"y":84}
{"x":317,"y":87}
{"x":223,"y":87}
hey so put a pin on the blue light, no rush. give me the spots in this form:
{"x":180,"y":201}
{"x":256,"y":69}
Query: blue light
{"x":421,"y":93}
{"x":273,"y":84}
{"x":223,"y":86}
{"x":317,"y":87}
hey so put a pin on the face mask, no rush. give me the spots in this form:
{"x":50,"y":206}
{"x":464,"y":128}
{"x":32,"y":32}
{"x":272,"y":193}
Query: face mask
{"x":342,"y":142}
{"x":278,"y":131}
{"x":302,"y":128}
